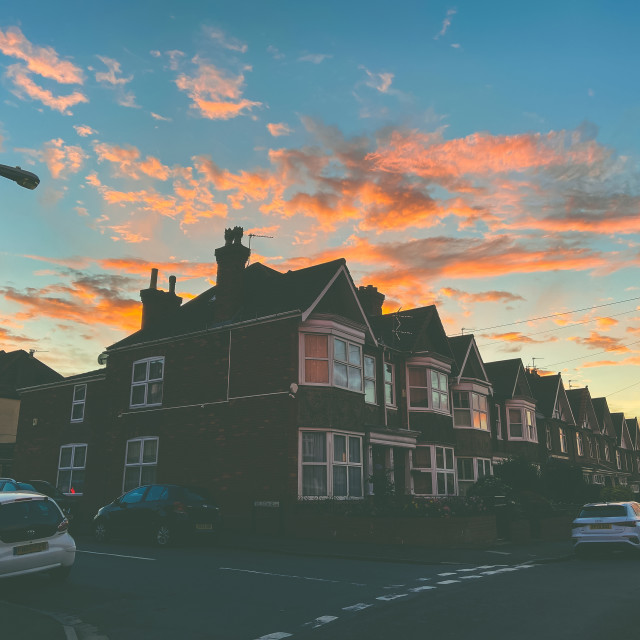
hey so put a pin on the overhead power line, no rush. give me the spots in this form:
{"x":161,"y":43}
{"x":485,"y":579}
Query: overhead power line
{"x":553,"y":315}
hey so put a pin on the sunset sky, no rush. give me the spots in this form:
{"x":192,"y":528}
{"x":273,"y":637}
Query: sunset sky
{"x":482,"y":156}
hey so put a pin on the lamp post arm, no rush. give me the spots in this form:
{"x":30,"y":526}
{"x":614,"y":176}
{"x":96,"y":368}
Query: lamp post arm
{"x":24,"y":178}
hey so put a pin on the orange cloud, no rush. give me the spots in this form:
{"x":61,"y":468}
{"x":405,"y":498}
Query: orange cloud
{"x":25,"y":85}
{"x":278,"y":129}
{"x":483,"y":296}
{"x":84,"y":130}
{"x":601,"y":342}
{"x":605,"y":323}
{"x":43,"y":61}
{"x":215,"y":95}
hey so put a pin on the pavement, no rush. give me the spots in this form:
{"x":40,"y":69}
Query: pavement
{"x":29,"y":624}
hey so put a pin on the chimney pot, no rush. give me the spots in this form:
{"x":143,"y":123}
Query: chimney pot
{"x":153,"y":284}
{"x":172,"y":284}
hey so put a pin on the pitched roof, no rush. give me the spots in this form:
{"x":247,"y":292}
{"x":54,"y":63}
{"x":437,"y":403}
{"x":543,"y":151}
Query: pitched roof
{"x":468,"y":360}
{"x":603,"y":414}
{"x":545,"y":390}
{"x":413,"y":331}
{"x":507,"y":378}
{"x":266,"y":292}
{"x":20,"y":369}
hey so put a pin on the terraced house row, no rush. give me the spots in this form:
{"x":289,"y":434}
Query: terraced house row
{"x":277,"y":386}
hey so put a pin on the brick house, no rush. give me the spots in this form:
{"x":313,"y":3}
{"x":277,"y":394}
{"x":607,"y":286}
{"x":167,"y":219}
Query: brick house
{"x":277,"y":386}
{"x":17,"y":369}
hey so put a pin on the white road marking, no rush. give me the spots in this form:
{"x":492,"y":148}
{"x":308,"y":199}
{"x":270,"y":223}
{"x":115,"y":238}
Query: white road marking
{"x":424,"y":588}
{"x":470,"y":577}
{"x":284,"y":575}
{"x":447,"y":574}
{"x":318,"y":622}
{"x":278,"y":635}
{"x":447,"y":581}
{"x":357,"y":607}
{"x":393,"y":597}
{"x":114,"y":555}
{"x":473,"y":569}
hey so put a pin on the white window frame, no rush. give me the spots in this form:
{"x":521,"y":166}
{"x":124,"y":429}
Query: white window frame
{"x":598,"y":478}
{"x":478,"y":464}
{"x":72,"y":467}
{"x":140,"y":464}
{"x":389,"y":384}
{"x":78,"y":402}
{"x":440,"y":376}
{"x":146,"y":382}
{"x":590,"y":445}
{"x":498,"y":422}
{"x":331,"y":335}
{"x":473,"y":398}
{"x":548,"y":437}
{"x":618,"y":459}
{"x":527,"y":422}
{"x":563,"y":440}
{"x":371,"y":379}
{"x":579,"y":445}
{"x":598,"y":452}
{"x":329,"y":463}
{"x":607,"y":452}
{"x":449,"y":473}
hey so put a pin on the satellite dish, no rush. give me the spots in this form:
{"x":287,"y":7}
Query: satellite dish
{"x":102,"y":358}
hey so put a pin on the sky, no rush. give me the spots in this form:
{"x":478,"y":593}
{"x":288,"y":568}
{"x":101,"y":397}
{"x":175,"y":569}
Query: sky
{"x":483,"y":157}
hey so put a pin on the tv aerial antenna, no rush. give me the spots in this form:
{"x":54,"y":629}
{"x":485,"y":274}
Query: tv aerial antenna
{"x":533,"y":362}
{"x":254,"y":235}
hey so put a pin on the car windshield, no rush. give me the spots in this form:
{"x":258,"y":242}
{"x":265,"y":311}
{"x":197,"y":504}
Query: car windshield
{"x":33,"y":512}
{"x":604,"y":511}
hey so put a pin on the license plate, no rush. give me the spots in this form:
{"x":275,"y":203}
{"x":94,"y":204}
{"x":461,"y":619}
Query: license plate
{"x":30,"y":548}
{"x":600,"y":526}
{"x":204,"y":527}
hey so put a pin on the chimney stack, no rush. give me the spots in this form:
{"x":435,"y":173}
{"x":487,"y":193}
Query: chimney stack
{"x":371,"y":300}
{"x":157,"y":305}
{"x":231,"y":260}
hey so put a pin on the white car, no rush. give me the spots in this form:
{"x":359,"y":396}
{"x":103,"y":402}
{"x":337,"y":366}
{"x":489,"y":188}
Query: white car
{"x":607,"y":524}
{"x":34,"y":536}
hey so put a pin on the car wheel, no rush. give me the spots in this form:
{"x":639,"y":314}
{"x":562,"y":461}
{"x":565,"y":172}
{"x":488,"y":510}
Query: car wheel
{"x":100,"y":531}
{"x":163,"y":535}
{"x":60,"y":574}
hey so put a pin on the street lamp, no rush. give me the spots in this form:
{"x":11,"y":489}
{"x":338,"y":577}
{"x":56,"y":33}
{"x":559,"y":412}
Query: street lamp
{"x":24,"y":178}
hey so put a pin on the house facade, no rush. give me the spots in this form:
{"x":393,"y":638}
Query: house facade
{"x":272,"y":387}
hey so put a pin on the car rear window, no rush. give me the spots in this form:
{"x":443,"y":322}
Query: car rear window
{"x":604,"y":511}
{"x":31,"y":512}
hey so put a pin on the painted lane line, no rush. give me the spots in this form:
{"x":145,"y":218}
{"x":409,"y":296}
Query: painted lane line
{"x":447,"y":574}
{"x":418,"y":589}
{"x":285,"y":575}
{"x":113,"y":555}
{"x":318,"y":622}
{"x":473,"y":569}
{"x":357,"y":607}
{"x":471,"y":577}
{"x":393,"y":596}
{"x":278,"y":635}
{"x":447,"y":581}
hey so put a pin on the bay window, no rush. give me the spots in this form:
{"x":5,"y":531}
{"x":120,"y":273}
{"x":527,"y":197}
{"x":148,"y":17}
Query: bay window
{"x":470,"y":410}
{"x":579,"y":444}
{"x":521,"y":424}
{"x":428,"y":389}
{"x":329,"y":360}
{"x":472,"y":469}
{"x":389,"y":385}
{"x":563,"y":440}
{"x":330,"y":465}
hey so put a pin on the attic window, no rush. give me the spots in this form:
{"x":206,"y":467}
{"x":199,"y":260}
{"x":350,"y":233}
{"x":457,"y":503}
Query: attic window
{"x":77,"y":405}
{"x":146,"y":382}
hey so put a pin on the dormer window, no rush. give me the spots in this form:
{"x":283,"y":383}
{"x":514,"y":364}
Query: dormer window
{"x":146,"y":382}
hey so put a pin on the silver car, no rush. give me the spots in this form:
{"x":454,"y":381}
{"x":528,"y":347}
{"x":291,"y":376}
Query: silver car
{"x":34,"y":536}
{"x":607,"y":524}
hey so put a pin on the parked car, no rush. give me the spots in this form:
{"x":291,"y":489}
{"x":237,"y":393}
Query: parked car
{"x":70,"y":505}
{"x":607,"y":524}
{"x":8,"y":484}
{"x":163,"y":512}
{"x":34,"y":536}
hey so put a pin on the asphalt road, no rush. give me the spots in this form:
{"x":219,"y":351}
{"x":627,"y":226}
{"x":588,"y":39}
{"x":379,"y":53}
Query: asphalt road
{"x":127,"y":592}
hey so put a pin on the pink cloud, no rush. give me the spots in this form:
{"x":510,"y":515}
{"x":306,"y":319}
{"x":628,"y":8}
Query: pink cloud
{"x":278,"y":129}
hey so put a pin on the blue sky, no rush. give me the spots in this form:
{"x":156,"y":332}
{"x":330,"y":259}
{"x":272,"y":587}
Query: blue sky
{"x":480,"y":156}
